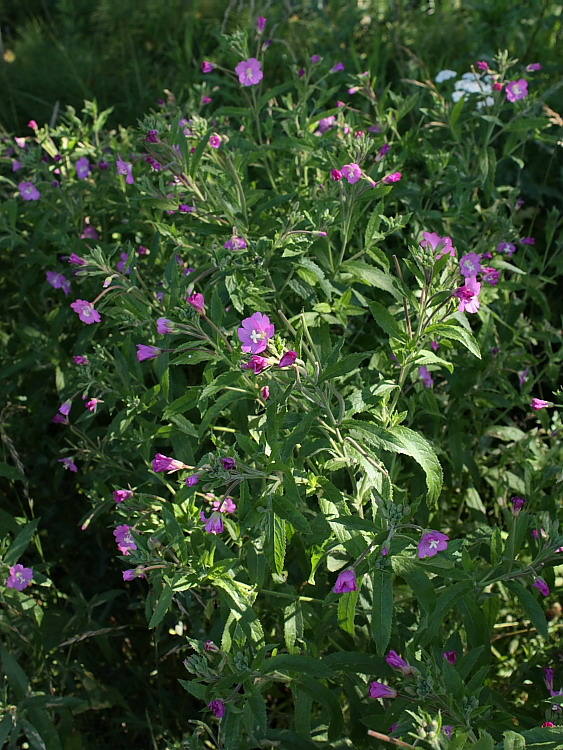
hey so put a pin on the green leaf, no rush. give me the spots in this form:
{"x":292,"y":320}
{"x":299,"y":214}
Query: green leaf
{"x":21,"y":542}
{"x":11,"y":472}
{"x":443,"y":605}
{"x":192,"y":357}
{"x":293,"y":625}
{"x":369,"y":275}
{"x":345,"y":366}
{"x":17,"y":678}
{"x":162,"y":605}
{"x":347,"y":610}
{"x":456,"y":333}
{"x":286,"y":506}
{"x":386,"y":321}
{"x":527,"y":123}
{"x":485,"y":742}
{"x":328,"y":699}
{"x":514,"y":741}
{"x":529,"y":605}
{"x":296,"y":663}
{"x":297,"y":436}
{"x":276,"y":542}
{"x":382,"y":609}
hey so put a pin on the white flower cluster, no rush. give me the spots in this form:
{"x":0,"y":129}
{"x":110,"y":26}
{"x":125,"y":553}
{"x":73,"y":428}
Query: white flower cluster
{"x":469,"y":83}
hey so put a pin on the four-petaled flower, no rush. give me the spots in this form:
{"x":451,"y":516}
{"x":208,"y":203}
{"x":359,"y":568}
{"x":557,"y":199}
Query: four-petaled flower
{"x":431,"y":543}
{"x":68,"y":463}
{"x":206,"y":66}
{"x":124,"y":539}
{"x":468,"y":295}
{"x":164,"y":326}
{"x":470,"y":264}
{"x":425,"y":376}
{"x":261,"y":23}
{"x":434,"y":242}
{"x":132,"y":573}
{"x":351,"y":172}
{"x":257,"y":364}
{"x":218,"y":707}
{"x":336,"y":175}
{"x":213,"y":524}
{"x":121,"y":495}
{"x":516,"y":90}
{"x":542,"y":586}
{"x":197,"y":300}
{"x":539,"y":403}
{"x":288,"y":359}
{"x":393,"y":177}
{"x":86,"y":311}
{"x":249,"y":72}
{"x":28,"y":191}
{"x":58,"y":281}
{"x":255,"y":333}
{"x":549,"y":675}
{"x":346,"y":582}
{"x":450,"y":656}
{"x":533,"y":66}
{"x":82,"y":168}
{"x":214,"y":140}
{"x":192,"y":480}
{"x":144,"y":351}
{"x":265,"y":393}
{"x":228,"y":463}
{"x":506,"y":247}
{"x":381,"y":690}
{"x":79,"y":359}
{"x":126,"y":168}
{"x":227,"y":505}
{"x":326,"y":123}
{"x":235,"y":243}
{"x":92,"y":404}
{"x":517,"y":504}
{"x":77,"y":260}
{"x":20,"y":577}
{"x":491,"y":275}
{"x":337,"y":67}
{"x":167,"y":464}
{"x":397,"y":662}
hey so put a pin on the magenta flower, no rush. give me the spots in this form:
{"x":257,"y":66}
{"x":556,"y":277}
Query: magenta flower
{"x":226,"y":506}
{"x":549,"y":675}
{"x":351,"y":172}
{"x":442,"y":244}
{"x":122,"y":263}
{"x":335,"y":68}
{"x":528,"y":240}
{"x":68,"y":463}
{"x":206,"y":66}
{"x":491,"y":275}
{"x":255,"y":333}
{"x":383,"y":151}
{"x":336,"y":175}
{"x":126,"y":168}
{"x":59,"y":419}
{"x":470,"y":264}
{"x":121,"y":495}
{"x":76,"y":260}
{"x":482,"y":65}
{"x":197,"y":300}
{"x":315,"y":59}
{"x":450,"y":656}
{"x":86,"y":311}
{"x":89,"y":233}
{"x":206,"y":100}
{"x":20,"y":577}
{"x":397,"y":662}
{"x":425,"y":376}
{"x":28,"y":191}
{"x":65,"y":407}
{"x":213,"y":524}
{"x":380,"y":690}
{"x":82,"y":168}
{"x":448,"y":730}
{"x":235,"y":243}
{"x":214,"y":140}
{"x":132,"y":573}
{"x":431,"y":543}
{"x":506,"y":247}
{"x":249,"y":72}
{"x":58,"y":281}
{"x":124,"y":539}
{"x":532,"y":67}
{"x":192,"y":480}
{"x":92,"y":404}
{"x":183,"y":208}
{"x":265,"y":393}
{"x":152,"y":137}
{"x":144,"y":351}
{"x":257,"y":364}
{"x":327,"y":123}
{"x":516,"y":90}
{"x":542,"y":586}
{"x":538,"y":403}
{"x":523,"y":376}
{"x":346,"y":582}
{"x":167,"y":464}
{"x":261,"y":23}
{"x":78,"y":359}
{"x":288,"y":359}
{"x":468,"y":295}
{"x":16,"y":165}
{"x":210,"y":646}
{"x":393,"y":177}
{"x":218,"y":707}
{"x":435,"y":345}
{"x":228,"y":463}
{"x":517,"y":504}
{"x":164,"y":326}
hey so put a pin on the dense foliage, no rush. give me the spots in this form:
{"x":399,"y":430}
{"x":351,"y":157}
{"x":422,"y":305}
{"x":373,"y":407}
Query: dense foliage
{"x":281,"y":420}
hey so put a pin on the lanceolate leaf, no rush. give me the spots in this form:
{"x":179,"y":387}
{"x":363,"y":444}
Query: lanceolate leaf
{"x":529,"y":605}
{"x":382,"y":609}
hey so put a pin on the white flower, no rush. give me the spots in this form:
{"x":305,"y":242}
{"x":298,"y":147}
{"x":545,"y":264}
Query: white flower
{"x":445,"y":75}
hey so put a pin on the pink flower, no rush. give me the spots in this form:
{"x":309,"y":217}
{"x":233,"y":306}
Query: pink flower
{"x":435,"y":345}
{"x":257,"y":364}
{"x":249,"y":72}
{"x":92,"y":404}
{"x":548,"y":724}
{"x":76,"y":260}
{"x":442,"y":244}
{"x":327,"y":123}
{"x":121,"y":495}
{"x":124,"y":539}
{"x":86,"y":311}
{"x":122,"y":263}
{"x":261,"y":23}
{"x":213,"y":524}
{"x":393,"y":177}
{"x":235,"y":243}
{"x":144,"y":351}
{"x":265,"y":393}
{"x":498,"y":86}
{"x":82,"y":168}
{"x":167,"y":464}
{"x":491,"y":275}
{"x":16,"y":165}
{"x":28,"y":191}
{"x":538,"y":403}
{"x":206,"y":66}
{"x":78,"y":359}
{"x":516,"y":90}
{"x":125,"y":168}
{"x":315,"y":59}
{"x":65,"y":407}
{"x":542,"y":586}
{"x":255,"y":333}
{"x":89,"y":233}
{"x":482,"y":65}
{"x":431,"y":543}
{"x":450,"y":656}
{"x":425,"y":376}
{"x":468,"y":295}
{"x":218,"y":707}
{"x":380,"y":690}
{"x":528,"y":241}
{"x":470,"y":264}
{"x":506,"y":247}
{"x":58,"y":281}
{"x":532,"y":67}
{"x":20,"y":577}
{"x":132,"y":573}
{"x":397,"y":662}
{"x":164,"y":326}
{"x":337,"y":67}
{"x":288,"y":359}
{"x":33,"y":125}
{"x":59,"y":419}
{"x":336,"y":175}
{"x":192,"y":480}
{"x":227,"y":505}
{"x":197,"y":300}
{"x":351,"y":172}
{"x":68,"y":463}
{"x":346,"y":582}
{"x":214,"y":140}
{"x":517,"y":504}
